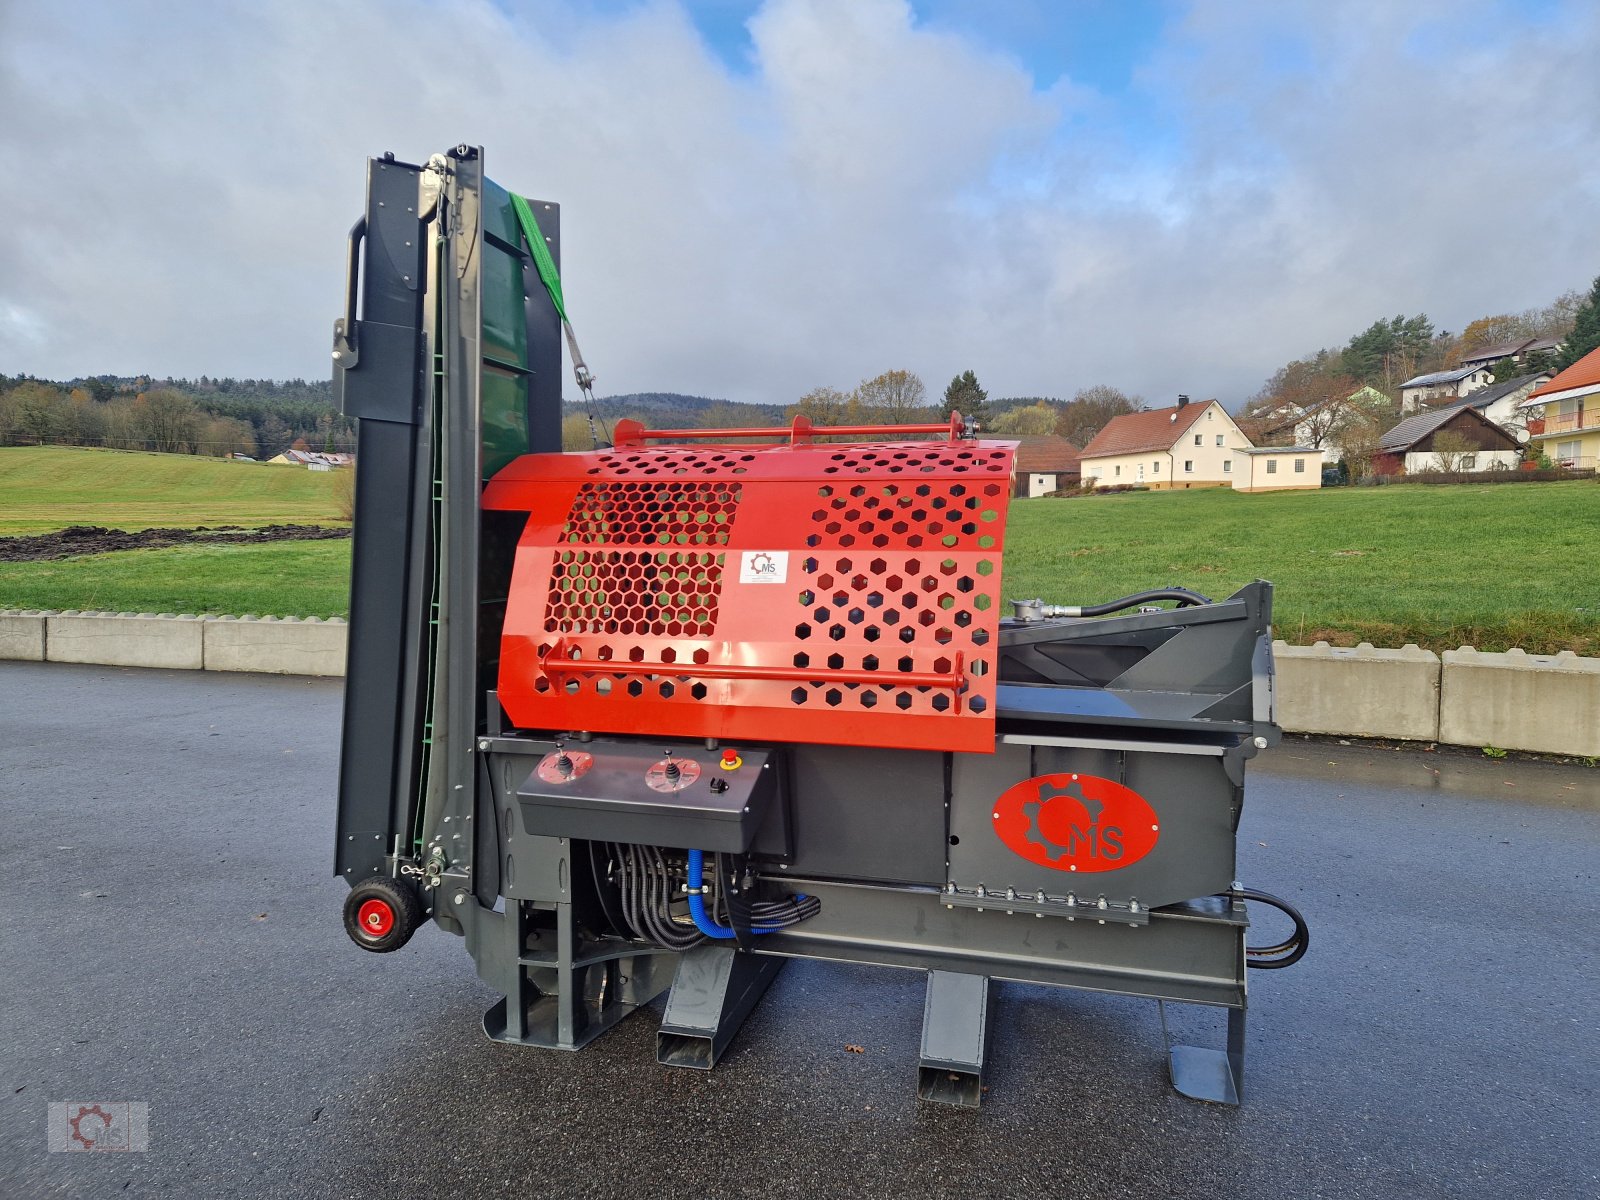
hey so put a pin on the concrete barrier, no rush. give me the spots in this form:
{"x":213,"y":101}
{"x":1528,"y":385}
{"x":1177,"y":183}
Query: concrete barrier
{"x":126,"y":639}
{"x":1362,"y":691}
{"x":1519,"y":701}
{"x":1514,"y":701}
{"x":22,"y":635}
{"x":279,"y":647}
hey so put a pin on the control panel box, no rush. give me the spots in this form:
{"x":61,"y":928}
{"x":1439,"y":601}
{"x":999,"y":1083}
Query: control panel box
{"x":688,"y":798}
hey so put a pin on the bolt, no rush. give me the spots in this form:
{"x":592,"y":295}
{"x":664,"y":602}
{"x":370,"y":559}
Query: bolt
{"x":1261,"y":743}
{"x":483,"y":744}
{"x":461,"y":898}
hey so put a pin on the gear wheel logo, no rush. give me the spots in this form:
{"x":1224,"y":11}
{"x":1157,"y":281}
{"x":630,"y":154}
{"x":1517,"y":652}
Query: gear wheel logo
{"x":95,"y":1134}
{"x":109,"y":1125}
{"x":1078,"y":823}
{"x":1073,"y":791}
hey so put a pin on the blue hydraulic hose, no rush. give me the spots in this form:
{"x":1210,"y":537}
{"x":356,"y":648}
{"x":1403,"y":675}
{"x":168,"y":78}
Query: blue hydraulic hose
{"x":697,"y":902}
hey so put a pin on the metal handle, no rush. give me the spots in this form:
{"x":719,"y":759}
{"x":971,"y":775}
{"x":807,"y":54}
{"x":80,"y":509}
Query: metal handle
{"x":559,"y":662}
{"x":631,"y":433}
{"x":345,"y":351}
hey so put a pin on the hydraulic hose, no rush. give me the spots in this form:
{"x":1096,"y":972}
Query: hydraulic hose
{"x":1038,"y":610}
{"x":697,"y":903}
{"x":1286,"y":953}
{"x":1183,"y":596}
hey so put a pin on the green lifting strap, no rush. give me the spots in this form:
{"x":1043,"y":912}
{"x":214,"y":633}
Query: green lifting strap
{"x":542,"y":261}
{"x":551,"y":278}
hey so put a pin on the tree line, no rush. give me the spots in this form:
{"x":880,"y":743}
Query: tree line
{"x":255,"y":418}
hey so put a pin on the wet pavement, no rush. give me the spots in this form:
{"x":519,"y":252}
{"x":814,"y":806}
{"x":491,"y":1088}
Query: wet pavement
{"x":170,"y":932}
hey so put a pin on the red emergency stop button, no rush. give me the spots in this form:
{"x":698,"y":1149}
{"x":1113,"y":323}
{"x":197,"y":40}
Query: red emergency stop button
{"x":731,"y":760}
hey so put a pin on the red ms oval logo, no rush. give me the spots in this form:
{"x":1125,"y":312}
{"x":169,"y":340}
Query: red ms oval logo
{"x":1076,"y":823}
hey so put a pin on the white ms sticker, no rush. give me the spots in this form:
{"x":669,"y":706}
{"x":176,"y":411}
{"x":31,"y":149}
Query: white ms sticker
{"x":764,"y":566}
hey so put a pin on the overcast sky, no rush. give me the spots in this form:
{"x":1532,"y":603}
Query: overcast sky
{"x":760,"y":198}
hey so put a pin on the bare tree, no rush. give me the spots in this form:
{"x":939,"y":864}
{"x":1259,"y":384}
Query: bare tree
{"x":822,"y":406}
{"x":893,"y":398}
{"x":1450,"y":446}
{"x":1359,"y":446}
{"x":1091,"y":409}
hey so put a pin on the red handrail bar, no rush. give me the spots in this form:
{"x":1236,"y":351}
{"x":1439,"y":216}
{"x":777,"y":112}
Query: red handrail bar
{"x":629,"y":433}
{"x":559,"y":662}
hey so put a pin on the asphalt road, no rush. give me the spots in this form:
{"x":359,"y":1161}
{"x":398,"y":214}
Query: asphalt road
{"x":170,"y":933}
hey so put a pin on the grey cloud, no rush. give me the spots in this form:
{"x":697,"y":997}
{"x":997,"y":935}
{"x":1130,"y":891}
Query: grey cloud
{"x":871,"y":194}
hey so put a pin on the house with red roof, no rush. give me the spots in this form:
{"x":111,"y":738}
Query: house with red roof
{"x":1564,"y":414}
{"x":1045,"y":464}
{"x":1193,"y":446}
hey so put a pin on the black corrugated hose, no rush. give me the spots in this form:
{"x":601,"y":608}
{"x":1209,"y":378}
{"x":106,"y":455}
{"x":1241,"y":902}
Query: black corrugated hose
{"x":1287,"y":952}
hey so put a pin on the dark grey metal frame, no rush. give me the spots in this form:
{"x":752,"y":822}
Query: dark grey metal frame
{"x":892,"y":843}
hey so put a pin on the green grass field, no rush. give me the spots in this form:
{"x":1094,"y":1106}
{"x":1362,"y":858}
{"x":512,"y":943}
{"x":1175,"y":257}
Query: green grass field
{"x":50,"y":487}
{"x":1488,"y":565}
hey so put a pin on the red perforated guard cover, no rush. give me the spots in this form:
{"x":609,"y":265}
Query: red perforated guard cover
{"x":759,"y":592}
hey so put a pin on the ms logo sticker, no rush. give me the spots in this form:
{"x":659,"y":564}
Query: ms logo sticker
{"x":1076,"y":823}
{"x":764,"y":566}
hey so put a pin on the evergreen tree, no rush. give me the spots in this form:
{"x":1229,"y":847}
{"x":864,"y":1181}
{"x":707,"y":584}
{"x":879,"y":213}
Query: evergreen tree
{"x":971,"y":401}
{"x":1387,"y":352}
{"x":1585,"y":335}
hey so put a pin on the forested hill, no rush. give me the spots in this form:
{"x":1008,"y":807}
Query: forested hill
{"x":673,"y":409}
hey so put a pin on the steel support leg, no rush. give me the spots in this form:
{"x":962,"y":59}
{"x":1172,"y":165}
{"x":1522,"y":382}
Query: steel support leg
{"x":955,"y":1023}
{"x":1204,"y":1074}
{"x":713,"y":991}
{"x":566,"y":1003}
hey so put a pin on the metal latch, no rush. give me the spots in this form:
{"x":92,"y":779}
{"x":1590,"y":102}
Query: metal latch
{"x":431,"y":871}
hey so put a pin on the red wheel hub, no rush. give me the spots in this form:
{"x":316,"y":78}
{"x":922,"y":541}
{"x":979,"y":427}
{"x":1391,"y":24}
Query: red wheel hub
{"x":375,"y":917}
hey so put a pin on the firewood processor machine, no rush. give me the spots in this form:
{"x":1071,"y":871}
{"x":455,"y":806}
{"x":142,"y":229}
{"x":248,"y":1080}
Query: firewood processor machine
{"x":659,"y":717}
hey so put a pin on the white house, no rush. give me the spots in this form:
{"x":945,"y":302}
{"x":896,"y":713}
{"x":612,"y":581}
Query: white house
{"x":1455,"y":384}
{"x":1193,"y":445}
{"x":1412,"y":445}
{"x":1501,"y":402}
{"x":1190,"y":445}
{"x":1277,"y":468}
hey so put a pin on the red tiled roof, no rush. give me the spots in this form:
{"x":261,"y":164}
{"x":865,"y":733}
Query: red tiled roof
{"x":1047,"y":455}
{"x":1581,"y":374}
{"x":1154,"y":429}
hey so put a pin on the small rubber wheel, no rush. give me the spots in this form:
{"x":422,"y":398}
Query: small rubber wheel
{"x":380,"y":915}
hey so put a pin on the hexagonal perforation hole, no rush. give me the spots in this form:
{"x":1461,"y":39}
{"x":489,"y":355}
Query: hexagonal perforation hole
{"x":661,"y":593}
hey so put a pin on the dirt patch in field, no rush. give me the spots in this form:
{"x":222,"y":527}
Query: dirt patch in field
{"x":76,"y":540}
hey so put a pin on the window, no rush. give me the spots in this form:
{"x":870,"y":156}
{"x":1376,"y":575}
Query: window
{"x":1155,"y":467}
{"x":1272,"y":466}
{"x":1208,"y":414}
{"x":1188,"y":465}
{"x":1227,"y":467}
{"x":1219,"y":439}
{"x":1469,"y":462}
{"x":1119,"y":470}
{"x":1199,"y":439}
{"x":1299,"y":466}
